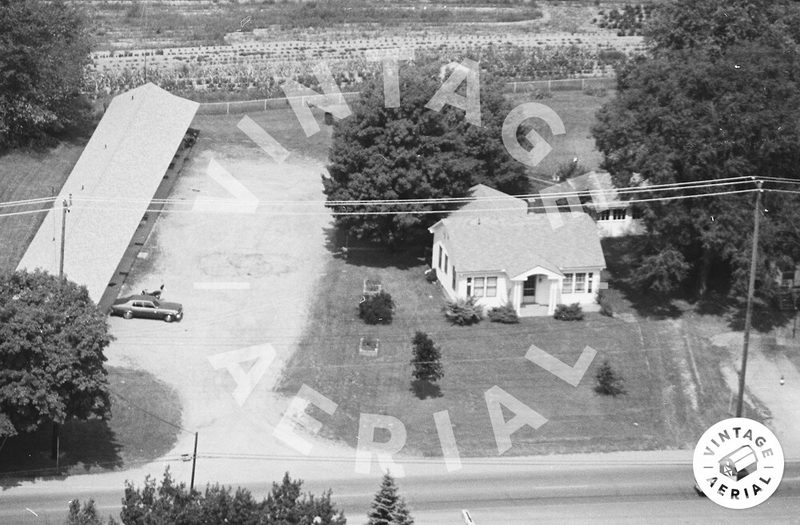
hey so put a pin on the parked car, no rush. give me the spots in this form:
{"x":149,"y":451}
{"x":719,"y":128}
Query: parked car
{"x":146,"y":306}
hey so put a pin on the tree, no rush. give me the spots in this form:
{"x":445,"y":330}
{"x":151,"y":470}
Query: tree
{"x":608,"y":382}
{"x":52,"y":339}
{"x":717,"y":24}
{"x":388,"y":508}
{"x":377,"y":308}
{"x":86,"y":515}
{"x":427,"y":359}
{"x":173,"y":503}
{"x":412,"y":152}
{"x":44,"y":47}
{"x":715,"y":99}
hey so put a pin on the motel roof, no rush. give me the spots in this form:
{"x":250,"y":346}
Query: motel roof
{"x":111,"y":186}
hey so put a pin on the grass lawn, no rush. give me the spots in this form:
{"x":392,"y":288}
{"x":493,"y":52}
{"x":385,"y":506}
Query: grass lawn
{"x":654,"y":413}
{"x":282,"y":124}
{"x":29,"y":174}
{"x":131,"y":436}
{"x":577,"y":111}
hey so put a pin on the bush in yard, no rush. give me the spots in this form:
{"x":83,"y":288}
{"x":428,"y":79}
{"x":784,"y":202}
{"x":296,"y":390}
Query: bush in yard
{"x":463,"y":312}
{"x":503,"y":314}
{"x":572,"y":312}
{"x":376,"y":309}
{"x":608,"y":382}
{"x":430,"y":275}
{"x":605,"y":304}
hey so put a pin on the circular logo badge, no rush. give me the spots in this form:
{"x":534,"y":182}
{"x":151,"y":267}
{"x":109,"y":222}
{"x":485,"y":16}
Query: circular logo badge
{"x":738,"y":463}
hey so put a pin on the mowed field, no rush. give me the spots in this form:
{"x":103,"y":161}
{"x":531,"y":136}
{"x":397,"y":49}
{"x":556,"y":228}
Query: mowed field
{"x":30,"y":174}
{"x":577,"y":110}
{"x":662,"y":408}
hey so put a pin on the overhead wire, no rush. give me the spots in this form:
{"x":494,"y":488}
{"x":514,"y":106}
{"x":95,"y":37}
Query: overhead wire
{"x":655,"y":188}
{"x":326,"y":212}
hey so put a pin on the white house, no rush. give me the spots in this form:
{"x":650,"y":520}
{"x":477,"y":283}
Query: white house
{"x":615,"y":217}
{"x":496,"y":251}
{"x":618,"y":220}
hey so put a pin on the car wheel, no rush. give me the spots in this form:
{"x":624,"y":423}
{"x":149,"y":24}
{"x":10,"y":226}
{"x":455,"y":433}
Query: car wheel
{"x":168,"y":318}
{"x":128,"y":315}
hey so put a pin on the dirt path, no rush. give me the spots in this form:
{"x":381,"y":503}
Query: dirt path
{"x":765,"y":367}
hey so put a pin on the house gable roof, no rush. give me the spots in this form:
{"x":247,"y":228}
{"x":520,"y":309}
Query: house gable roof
{"x":512,"y":241}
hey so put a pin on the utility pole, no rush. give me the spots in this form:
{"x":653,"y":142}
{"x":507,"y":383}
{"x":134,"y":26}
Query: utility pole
{"x":56,"y":438}
{"x":748,"y":316}
{"x":194,"y":462}
{"x":64,"y":211}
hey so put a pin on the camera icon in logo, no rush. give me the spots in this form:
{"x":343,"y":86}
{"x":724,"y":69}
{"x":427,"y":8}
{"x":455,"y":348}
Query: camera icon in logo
{"x":739,"y":464}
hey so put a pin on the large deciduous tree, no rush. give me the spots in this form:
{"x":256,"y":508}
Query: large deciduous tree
{"x":52,"y":339}
{"x":44,"y":47}
{"x":412,"y":152}
{"x":717,"y":97}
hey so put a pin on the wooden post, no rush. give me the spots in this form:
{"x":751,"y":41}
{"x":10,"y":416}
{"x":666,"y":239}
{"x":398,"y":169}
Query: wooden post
{"x":748,"y":316}
{"x":194,"y":462}
{"x":64,"y":210}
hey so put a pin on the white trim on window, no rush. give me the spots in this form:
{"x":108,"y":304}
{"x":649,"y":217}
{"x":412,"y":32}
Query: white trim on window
{"x":580,"y":283}
{"x":491,"y":287}
{"x":566,"y":287}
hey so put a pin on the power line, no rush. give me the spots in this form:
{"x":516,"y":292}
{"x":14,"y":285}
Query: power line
{"x":677,"y":186}
{"x":543,"y":207}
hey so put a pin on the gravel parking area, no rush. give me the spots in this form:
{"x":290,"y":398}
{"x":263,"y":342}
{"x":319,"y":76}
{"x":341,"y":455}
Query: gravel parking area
{"x":244,"y":279}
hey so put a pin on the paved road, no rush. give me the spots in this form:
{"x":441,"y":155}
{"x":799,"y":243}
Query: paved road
{"x":654,"y":493}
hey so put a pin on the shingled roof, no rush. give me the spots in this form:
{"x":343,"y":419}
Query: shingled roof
{"x":499,"y":235}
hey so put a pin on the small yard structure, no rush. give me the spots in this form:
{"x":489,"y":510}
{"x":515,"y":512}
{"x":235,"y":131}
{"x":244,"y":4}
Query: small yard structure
{"x":494,"y":250}
{"x":368,"y":346}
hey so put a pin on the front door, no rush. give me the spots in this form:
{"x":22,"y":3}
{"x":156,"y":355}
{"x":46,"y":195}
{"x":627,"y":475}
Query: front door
{"x":529,"y":290}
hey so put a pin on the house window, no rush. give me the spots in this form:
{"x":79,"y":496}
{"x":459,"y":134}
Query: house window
{"x":491,"y":287}
{"x":604,"y":215}
{"x":589,"y":282}
{"x":567,"y":288}
{"x":479,"y":286}
{"x":440,"y":257}
{"x":580,"y":282}
{"x":454,"y":277}
{"x":445,"y":263}
{"x":619,"y":214}
{"x":469,"y":286}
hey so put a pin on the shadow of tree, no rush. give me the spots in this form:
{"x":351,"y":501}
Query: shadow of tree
{"x":623,"y":255}
{"x":764,"y":319}
{"x":85,"y":447}
{"x":425,"y":389}
{"x":359,"y":253}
